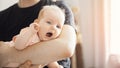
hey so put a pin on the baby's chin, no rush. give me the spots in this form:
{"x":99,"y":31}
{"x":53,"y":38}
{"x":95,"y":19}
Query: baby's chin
{"x":46,"y":39}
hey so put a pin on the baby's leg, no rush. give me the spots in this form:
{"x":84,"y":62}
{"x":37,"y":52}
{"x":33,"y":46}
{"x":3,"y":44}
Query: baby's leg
{"x":36,"y":66}
{"x":54,"y":65}
{"x":26,"y":64}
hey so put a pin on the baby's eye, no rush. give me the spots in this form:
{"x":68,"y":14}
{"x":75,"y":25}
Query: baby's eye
{"x":48,"y":22}
{"x":58,"y":26}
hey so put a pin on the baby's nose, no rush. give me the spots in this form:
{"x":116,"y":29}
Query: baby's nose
{"x":53,"y":27}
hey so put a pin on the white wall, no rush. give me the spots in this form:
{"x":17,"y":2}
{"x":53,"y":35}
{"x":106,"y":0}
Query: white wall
{"x":86,"y":25}
{"x":6,"y":3}
{"x":86,"y":28}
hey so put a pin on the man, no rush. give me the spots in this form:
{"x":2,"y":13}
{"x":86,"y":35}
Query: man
{"x":10,"y":24}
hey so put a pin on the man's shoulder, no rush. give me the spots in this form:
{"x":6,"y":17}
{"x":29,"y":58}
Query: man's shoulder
{"x":4,"y":14}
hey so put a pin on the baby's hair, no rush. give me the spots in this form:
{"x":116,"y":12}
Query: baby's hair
{"x":50,"y":7}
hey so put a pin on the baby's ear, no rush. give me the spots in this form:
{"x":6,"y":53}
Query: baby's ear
{"x":35,"y":21}
{"x":14,"y":38}
{"x":35,"y":26}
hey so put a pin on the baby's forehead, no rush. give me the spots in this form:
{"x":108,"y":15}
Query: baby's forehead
{"x":53,"y":12}
{"x":52,"y":8}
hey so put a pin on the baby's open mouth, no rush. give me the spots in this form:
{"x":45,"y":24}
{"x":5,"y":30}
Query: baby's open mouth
{"x":49,"y":34}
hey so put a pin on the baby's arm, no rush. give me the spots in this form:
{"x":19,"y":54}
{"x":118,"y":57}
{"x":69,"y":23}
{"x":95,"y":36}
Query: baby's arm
{"x":25,"y":37}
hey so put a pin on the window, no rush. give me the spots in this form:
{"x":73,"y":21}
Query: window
{"x":115,"y":27}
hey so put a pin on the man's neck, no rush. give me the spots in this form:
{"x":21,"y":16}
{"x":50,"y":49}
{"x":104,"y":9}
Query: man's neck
{"x":27,"y":3}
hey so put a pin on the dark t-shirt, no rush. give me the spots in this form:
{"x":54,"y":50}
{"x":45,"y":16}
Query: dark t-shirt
{"x":14,"y":18}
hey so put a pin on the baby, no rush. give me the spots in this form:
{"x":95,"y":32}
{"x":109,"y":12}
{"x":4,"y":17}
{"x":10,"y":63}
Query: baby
{"x":46,"y":27}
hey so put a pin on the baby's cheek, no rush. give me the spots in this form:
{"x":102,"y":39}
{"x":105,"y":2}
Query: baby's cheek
{"x":56,"y":35}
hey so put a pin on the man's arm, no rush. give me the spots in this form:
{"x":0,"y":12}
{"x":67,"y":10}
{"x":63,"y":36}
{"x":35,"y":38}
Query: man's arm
{"x":43,"y":52}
